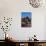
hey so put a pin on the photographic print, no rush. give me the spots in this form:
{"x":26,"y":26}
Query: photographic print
{"x":26,"y":18}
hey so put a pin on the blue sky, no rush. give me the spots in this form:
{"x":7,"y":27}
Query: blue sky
{"x":24,"y":14}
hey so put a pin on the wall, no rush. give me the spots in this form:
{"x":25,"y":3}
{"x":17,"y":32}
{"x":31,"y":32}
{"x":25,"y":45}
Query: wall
{"x":13,"y":8}
{"x":45,"y":28}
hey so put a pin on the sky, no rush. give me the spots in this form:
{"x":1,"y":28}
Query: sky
{"x":24,"y":14}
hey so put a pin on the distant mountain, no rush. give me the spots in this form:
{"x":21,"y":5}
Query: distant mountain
{"x":26,"y":19}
